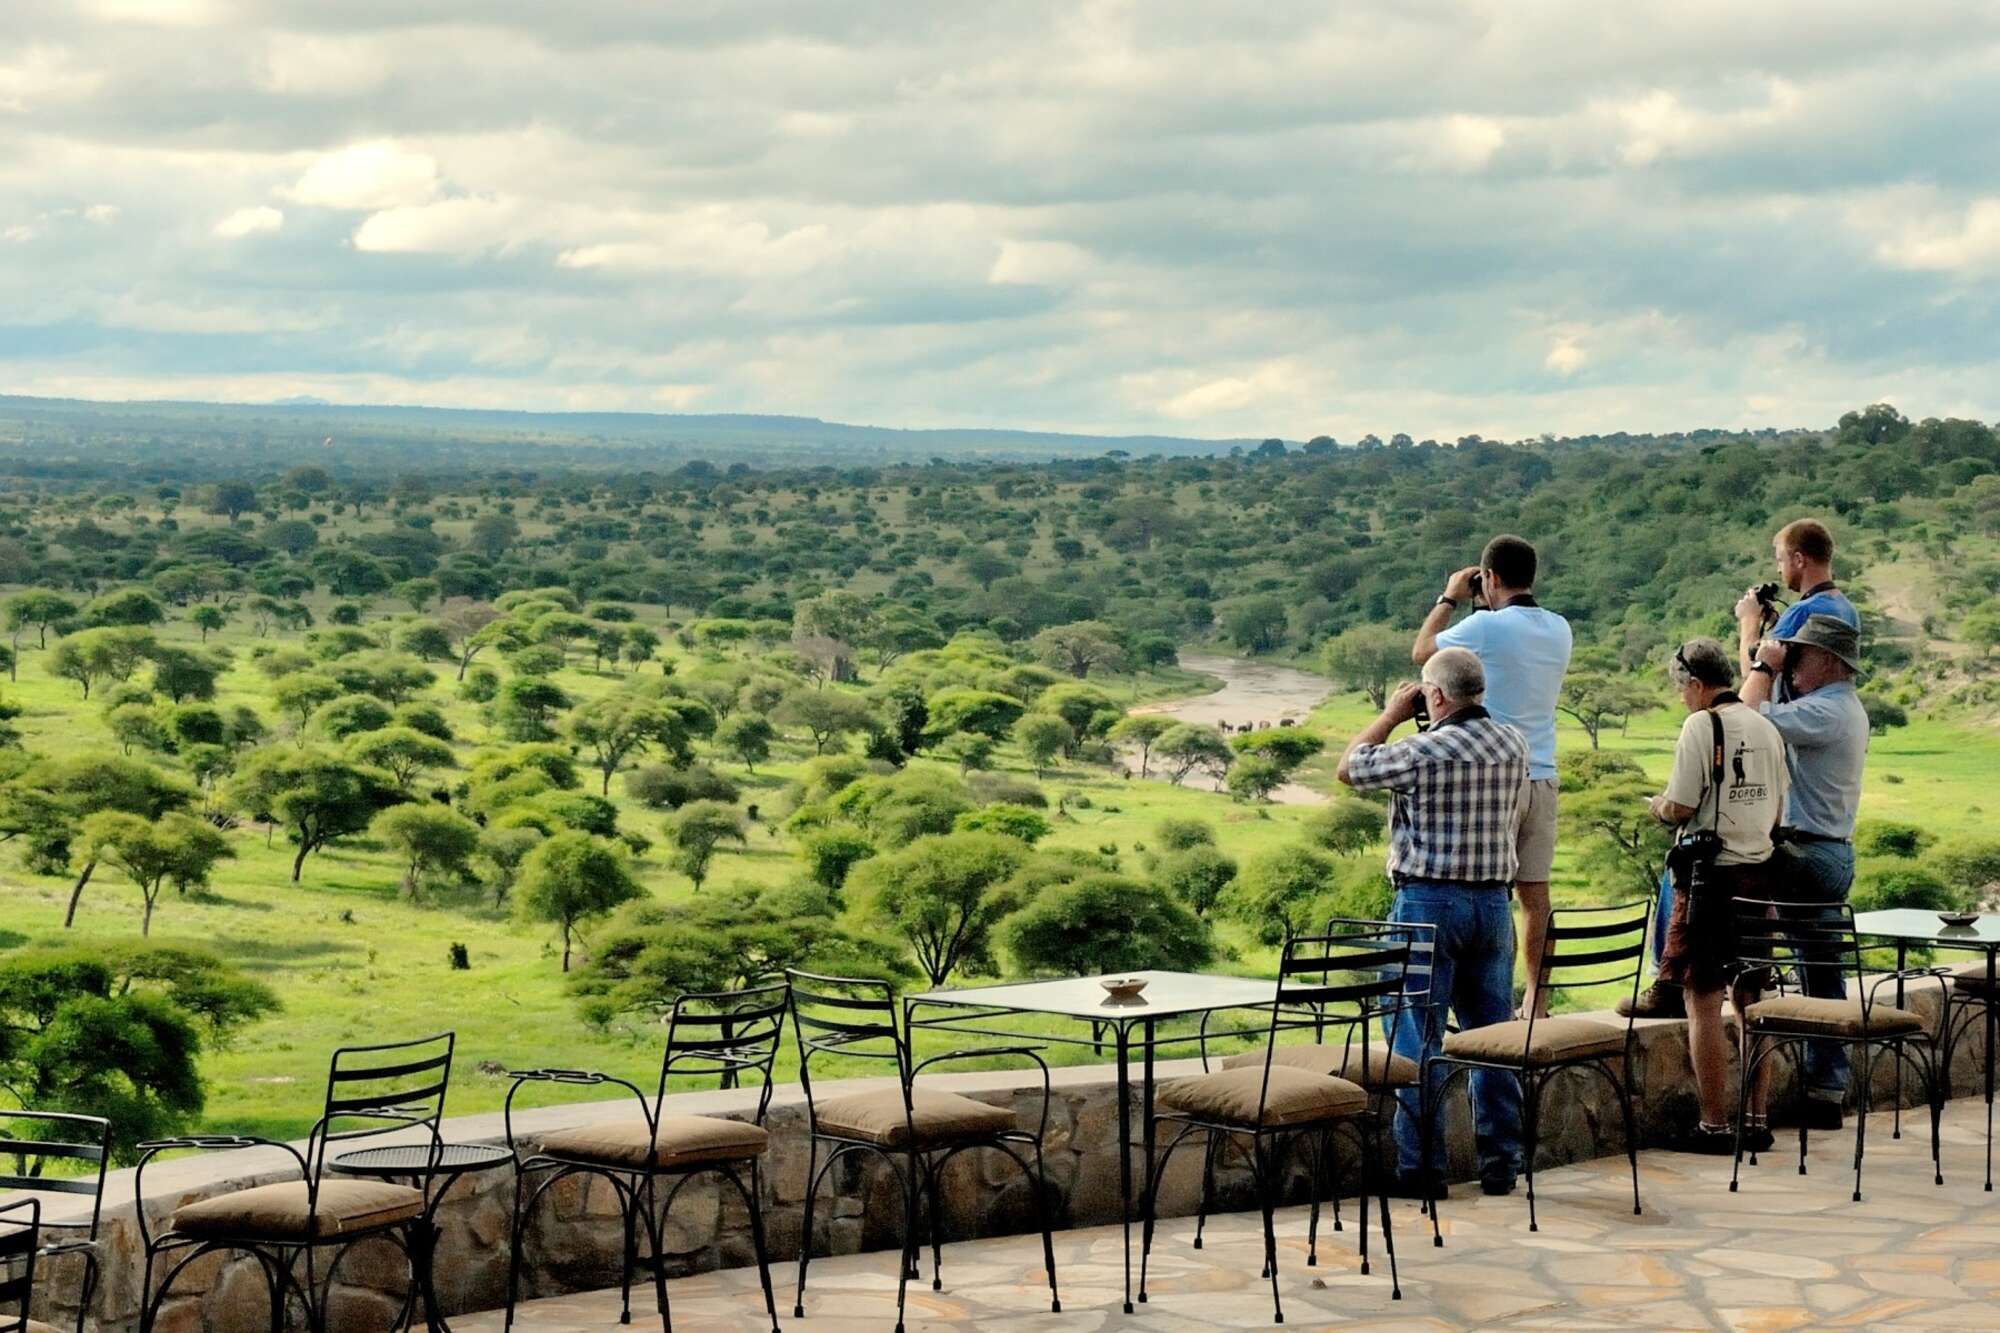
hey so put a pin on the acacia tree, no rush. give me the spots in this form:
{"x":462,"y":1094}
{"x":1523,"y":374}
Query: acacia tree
{"x":49,"y":802}
{"x":697,"y":830}
{"x":748,"y":737}
{"x":1367,"y":658}
{"x":1187,"y":747}
{"x":432,"y":841}
{"x":152,"y":852}
{"x":465,"y":621}
{"x":1142,"y":730}
{"x":403,"y":752}
{"x":943,"y":894}
{"x":1079,"y":647}
{"x":1043,"y":736}
{"x":569,"y":878}
{"x":318,"y":797}
{"x":825,"y":715}
{"x":1106,"y":924}
{"x":1593,"y":698}
{"x":118,"y":1031}
{"x":620,"y":726}
{"x":42,"y":609}
{"x":93,"y":655}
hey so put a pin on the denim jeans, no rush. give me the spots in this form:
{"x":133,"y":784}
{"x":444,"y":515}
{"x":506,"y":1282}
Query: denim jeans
{"x":1472,"y":974}
{"x":1824,"y":874}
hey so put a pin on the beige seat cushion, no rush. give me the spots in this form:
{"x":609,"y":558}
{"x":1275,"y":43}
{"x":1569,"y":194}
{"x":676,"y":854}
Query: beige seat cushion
{"x":939,"y":1117}
{"x":1295,"y":1097}
{"x":281,"y":1212}
{"x":1555,"y":1039}
{"x":682,"y":1140}
{"x":37,"y":1326}
{"x":1831,"y":1018}
{"x":1384,"y":1068}
{"x":1971,"y":977}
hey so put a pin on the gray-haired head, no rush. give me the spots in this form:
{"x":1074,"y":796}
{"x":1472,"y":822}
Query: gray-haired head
{"x":1456,"y":674}
{"x":1702,"y":660}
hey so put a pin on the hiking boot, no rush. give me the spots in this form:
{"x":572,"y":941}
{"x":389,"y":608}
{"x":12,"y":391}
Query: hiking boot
{"x":1496,"y":1179}
{"x":1662,"y":999}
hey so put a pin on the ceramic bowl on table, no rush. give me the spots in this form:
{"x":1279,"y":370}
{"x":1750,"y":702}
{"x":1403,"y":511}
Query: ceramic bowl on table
{"x":1958,"y":919}
{"x":1122,"y":988}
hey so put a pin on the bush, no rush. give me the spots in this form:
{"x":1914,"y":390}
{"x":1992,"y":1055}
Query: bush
{"x":829,"y":853}
{"x":1969,"y":863}
{"x":1886,"y":837}
{"x":1910,"y":887}
{"x":1177,"y":835}
{"x":1348,"y":824}
{"x":1198,"y":876}
{"x":1016,"y":821}
{"x":1106,"y":924}
{"x":995,"y":788}
{"x":481,"y":685}
{"x":661,"y":787}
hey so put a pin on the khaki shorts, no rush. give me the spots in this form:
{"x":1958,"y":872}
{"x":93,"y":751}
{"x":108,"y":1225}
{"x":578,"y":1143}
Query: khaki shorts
{"x":1535,"y":841}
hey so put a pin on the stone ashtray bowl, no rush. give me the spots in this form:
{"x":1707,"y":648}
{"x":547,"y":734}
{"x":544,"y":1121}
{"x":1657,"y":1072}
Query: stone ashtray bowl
{"x":1958,"y":918}
{"x":1123,"y":988}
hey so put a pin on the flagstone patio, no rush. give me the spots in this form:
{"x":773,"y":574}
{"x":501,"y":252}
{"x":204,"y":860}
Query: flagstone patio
{"x":1786,"y":1252}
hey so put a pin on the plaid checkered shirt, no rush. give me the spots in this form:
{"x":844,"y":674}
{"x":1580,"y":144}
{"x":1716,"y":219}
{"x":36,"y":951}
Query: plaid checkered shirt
{"x":1459,"y":790}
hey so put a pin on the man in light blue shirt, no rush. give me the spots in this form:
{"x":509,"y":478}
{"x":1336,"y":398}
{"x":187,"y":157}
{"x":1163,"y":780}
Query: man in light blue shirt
{"x":1524,"y":650}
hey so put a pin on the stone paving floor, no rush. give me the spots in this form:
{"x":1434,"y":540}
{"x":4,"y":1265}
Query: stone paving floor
{"x":1786,"y":1252}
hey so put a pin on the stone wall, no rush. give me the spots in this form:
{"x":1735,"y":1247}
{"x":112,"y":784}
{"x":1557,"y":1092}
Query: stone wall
{"x":573,"y":1240}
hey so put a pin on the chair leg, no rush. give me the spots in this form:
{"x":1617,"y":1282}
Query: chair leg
{"x":1371,"y":1171}
{"x":1531,"y":1108}
{"x":806,"y":1231}
{"x":655,"y":1234}
{"x":1265,"y":1196}
{"x":1746,"y":1065}
{"x":1207,"y":1189}
{"x":1362,"y":1206}
{"x":514,"y":1238}
{"x":752,"y":1197}
{"x":912,"y":1187}
{"x":1428,"y":1103}
{"x":1861,"y":1115}
{"x":630,"y":1259}
{"x":90,"y":1272}
{"x":935,"y":1213}
{"x":1042,"y":1210}
{"x":1631,"y":1128}
{"x":1149,"y":1205}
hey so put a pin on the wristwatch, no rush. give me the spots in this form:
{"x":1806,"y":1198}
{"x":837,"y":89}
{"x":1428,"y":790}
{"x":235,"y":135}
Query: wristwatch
{"x":1446,"y":599}
{"x":1764,"y":667}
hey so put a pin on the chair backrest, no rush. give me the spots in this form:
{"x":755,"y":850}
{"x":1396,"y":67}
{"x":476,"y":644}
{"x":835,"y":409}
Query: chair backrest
{"x":32,"y":1141}
{"x":1363,"y":969}
{"x":1808,"y":938}
{"x":853,"y":1016}
{"x":724,"y":1035}
{"x":20,"y":1238}
{"x":1594,"y":946}
{"x":381,"y":1089}
{"x":1412,"y":1005}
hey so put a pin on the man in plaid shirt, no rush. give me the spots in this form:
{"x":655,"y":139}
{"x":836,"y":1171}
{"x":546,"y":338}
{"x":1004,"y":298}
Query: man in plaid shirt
{"x":1459,"y":790}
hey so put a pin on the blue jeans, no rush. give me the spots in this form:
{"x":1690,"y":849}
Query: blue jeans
{"x":1472,"y":973}
{"x":1824,"y":873}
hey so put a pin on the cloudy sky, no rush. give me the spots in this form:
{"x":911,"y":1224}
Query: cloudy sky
{"x":1108,"y":215}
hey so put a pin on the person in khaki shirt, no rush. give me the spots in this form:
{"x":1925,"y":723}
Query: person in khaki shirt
{"x":1743,"y":809}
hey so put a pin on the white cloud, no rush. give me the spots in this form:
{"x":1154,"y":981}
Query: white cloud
{"x":1566,"y":356}
{"x":1939,"y":242}
{"x":101,"y":214}
{"x":1051,"y":263}
{"x":43,"y":74}
{"x":250,"y":221}
{"x":378,"y":174}
{"x":446,"y":227}
{"x":158,"y":13}
{"x":20,"y":233}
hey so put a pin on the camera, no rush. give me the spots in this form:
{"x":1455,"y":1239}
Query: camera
{"x":1767,"y":599}
{"x":1420,"y":712}
{"x":1478,"y":586}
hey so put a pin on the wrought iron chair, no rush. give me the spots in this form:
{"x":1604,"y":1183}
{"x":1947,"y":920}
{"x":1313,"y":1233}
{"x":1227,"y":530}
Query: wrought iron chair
{"x":1970,"y":998}
{"x":722,"y":1035}
{"x":1378,"y":1069}
{"x":1607,"y":947}
{"x":916,"y":1130}
{"x":371,"y":1091}
{"x":31,"y":1141}
{"x":20,"y":1241}
{"x":1806,"y":938}
{"x":1266,"y":1108}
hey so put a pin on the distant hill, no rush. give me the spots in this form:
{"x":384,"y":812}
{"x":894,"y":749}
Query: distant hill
{"x":451,"y":438}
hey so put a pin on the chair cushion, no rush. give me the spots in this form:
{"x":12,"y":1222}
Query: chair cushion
{"x":1384,"y":1069}
{"x":939,"y":1117}
{"x":1295,"y":1097}
{"x":682,"y":1140}
{"x":1971,"y":977}
{"x":1831,"y":1018}
{"x":1555,"y":1039}
{"x":281,"y":1212}
{"x":37,"y":1326}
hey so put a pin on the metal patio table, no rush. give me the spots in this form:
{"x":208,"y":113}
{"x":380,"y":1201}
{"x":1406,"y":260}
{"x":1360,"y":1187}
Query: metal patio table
{"x":433,"y":1168}
{"x":1905,"y":926}
{"x":1133,"y":1024}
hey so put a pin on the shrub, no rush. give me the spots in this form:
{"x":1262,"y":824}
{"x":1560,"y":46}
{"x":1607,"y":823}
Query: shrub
{"x":1971,"y":863}
{"x":1177,"y":835}
{"x":1348,"y":824}
{"x":1197,"y":876}
{"x":1016,"y":821}
{"x":1106,"y":924}
{"x":661,"y":787}
{"x":1886,"y":837}
{"x":1910,"y":886}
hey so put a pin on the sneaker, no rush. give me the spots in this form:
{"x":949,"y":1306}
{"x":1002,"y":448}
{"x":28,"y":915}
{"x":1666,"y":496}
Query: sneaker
{"x":1497,"y":1179}
{"x":1662,"y":999}
{"x":1420,"y":1185}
